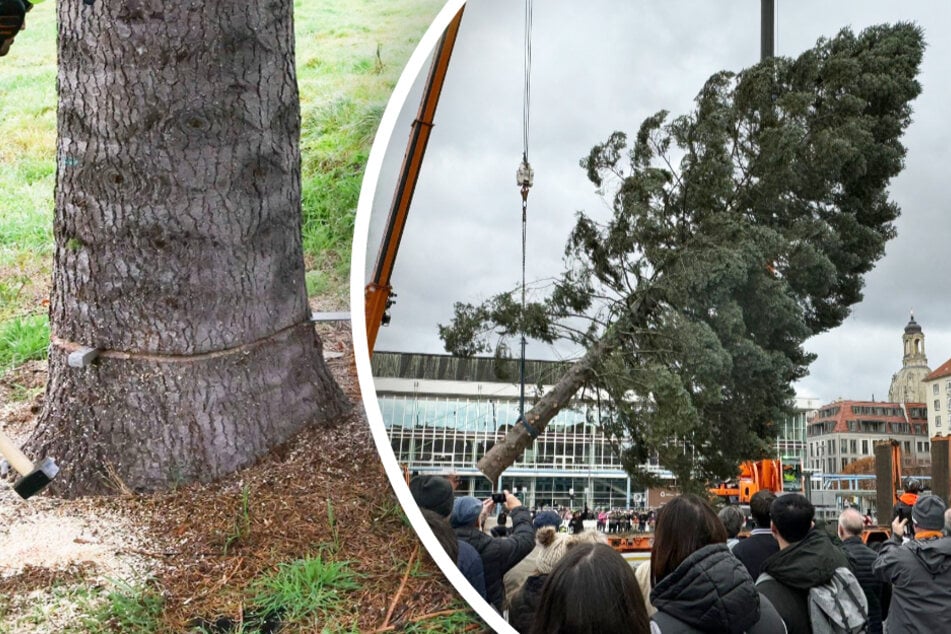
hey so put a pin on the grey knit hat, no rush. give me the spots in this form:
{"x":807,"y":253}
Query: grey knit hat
{"x":928,"y":513}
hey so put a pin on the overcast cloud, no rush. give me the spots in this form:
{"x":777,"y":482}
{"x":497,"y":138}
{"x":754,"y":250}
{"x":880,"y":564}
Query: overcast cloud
{"x":605,"y":66}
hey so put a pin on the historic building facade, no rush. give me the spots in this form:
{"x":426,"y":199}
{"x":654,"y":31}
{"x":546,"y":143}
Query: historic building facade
{"x":938,"y":390}
{"x":845,"y":431}
{"x":908,"y":383}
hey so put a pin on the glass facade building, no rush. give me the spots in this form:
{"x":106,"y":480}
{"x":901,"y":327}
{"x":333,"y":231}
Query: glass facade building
{"x":443,"y":413}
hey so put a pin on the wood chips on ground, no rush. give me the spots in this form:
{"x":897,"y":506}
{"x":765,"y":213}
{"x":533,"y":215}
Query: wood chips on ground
{"x":324,"y":489}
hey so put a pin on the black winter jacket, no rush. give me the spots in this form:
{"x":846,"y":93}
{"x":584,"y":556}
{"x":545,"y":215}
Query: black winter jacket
{"x":803,"y":565}
{"x":711,"y":591}
{"x":861,"y":558}
{"x":501,"y":553}
{"x":523,"y":605}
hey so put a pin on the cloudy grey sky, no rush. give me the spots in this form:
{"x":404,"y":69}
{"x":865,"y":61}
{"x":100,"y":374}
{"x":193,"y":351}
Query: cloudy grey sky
{"x":604,"y":66}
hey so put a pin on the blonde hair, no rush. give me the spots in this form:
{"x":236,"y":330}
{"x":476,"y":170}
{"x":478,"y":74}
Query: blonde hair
{"x":587,"y":537}
{"x":555,"y":545}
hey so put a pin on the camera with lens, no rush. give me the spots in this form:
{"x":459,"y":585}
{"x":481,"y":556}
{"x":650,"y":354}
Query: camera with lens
{"x":498,"y":498}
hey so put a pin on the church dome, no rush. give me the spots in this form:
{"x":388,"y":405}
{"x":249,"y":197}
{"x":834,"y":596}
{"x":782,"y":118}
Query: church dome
{"x":912,"y":327}
{"x":907,"y":384}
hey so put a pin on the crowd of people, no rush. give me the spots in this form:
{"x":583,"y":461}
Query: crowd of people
{"x":605,"y":520}
{"x":791,"y":573}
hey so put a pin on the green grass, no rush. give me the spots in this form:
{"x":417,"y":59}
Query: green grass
{"x":390,"y":509}
{"x":349,"y":56}
{"x":11,"y":286}
{"x":70,"y":608}
{"x":457,"y":621}
{"x":241,"y":529}
{"x":306,"y":590}
{"x":28,"y":141}
{"x":23,"y":339}
{"x":318,"y":283}
{"x":127,"y":608}
{"x":32,"y":614}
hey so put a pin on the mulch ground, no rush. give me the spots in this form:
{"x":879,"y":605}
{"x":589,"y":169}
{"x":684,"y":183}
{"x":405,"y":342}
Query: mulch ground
{"x":324,"y":489}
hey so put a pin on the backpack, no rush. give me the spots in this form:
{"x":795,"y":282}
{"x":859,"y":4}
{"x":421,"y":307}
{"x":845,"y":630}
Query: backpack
{"x":838,"y":606}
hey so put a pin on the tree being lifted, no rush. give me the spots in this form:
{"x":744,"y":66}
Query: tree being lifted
{"x":178,"y":246}
{"x":738,"y":231}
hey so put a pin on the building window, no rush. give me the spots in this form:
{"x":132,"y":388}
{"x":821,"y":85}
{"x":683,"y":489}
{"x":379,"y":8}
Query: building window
{"x":937,"y":421}
{"x":865,"y":447}
{"x":853,"y":447}
{"x":937,"y":405}
{"x":934,"y":388}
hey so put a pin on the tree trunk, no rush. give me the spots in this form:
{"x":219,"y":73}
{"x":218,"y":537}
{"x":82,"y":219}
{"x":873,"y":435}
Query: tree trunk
{"x":505,"y":453}
{"x":178,"y":250}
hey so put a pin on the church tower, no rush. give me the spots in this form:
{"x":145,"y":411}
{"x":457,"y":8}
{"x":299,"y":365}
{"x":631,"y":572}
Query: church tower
{"x":907,"y":384}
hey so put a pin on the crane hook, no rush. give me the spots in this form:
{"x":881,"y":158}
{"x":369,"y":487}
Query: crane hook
{"x":525,"y":177}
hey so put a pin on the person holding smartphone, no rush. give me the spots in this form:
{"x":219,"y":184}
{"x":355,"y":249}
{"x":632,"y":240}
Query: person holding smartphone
{"x":499,"y":554}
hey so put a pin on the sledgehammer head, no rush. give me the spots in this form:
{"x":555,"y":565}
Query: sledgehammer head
{"x":35,"y":481}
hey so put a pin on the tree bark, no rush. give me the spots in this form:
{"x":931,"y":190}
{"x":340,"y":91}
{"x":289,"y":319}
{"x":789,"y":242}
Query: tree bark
{"x":178,"y":249}
{"x":504,"y":454}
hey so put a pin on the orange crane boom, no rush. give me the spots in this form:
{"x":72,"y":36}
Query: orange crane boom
{"x":378,"y":293}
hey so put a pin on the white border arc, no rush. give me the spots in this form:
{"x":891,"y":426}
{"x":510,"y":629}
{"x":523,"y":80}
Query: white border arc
{"x":413,"y":69}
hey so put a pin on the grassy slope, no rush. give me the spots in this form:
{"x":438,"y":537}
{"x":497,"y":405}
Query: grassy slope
{"x":349,"y":55}
{"x":27,"y":143}
{"x":27,"y":174}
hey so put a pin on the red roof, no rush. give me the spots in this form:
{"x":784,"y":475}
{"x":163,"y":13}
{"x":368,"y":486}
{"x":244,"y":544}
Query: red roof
{"x":845,"y":414}
{"x":943,"y":370}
